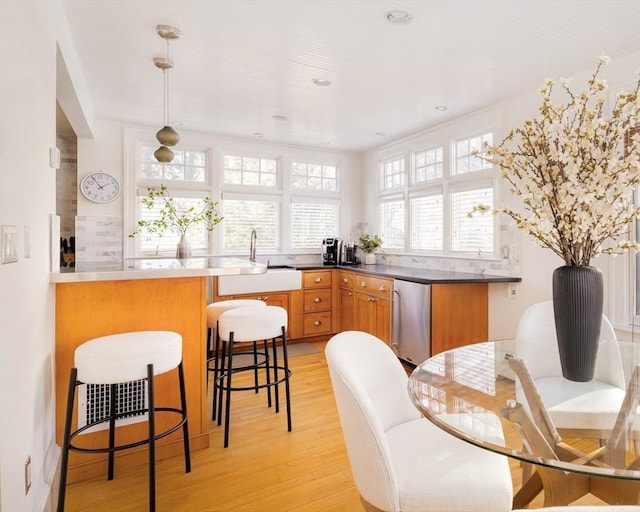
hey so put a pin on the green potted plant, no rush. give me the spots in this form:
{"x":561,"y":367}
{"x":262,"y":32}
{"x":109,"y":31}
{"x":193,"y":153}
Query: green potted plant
{"x":575,"y":168}
{"x":369,"y":244}
{"x":177,"y":217}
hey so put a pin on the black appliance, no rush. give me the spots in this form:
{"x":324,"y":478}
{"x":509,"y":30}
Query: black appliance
{"x":330,"y":251}
{"x":348,"y":254}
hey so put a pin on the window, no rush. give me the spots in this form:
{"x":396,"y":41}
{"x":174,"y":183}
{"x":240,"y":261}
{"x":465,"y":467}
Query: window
{"x":189,"y":166}
{"x":241,"y":216}
{"x":447,"y":179}
{"x":464,"y":159}
{"x":152,"y":243}
{"x":314,"y":176}
{"x":311,"y":222}
{"x":393,"y":175}
{"x":186,"y":179}
{"x":428,"y":165}
{"x":427,"y":223}
{"x":252,"y":171}
{"x":471,"y":234}
{"x":392,"y":224}
{"x":255,"y":197}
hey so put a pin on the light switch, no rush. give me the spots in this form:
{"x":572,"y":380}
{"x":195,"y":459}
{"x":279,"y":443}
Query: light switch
{"x":9,"y":244}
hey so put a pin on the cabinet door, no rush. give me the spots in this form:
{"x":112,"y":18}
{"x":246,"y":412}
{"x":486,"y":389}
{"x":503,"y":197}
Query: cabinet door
{"x":346,"y":308}
{"x":382,"y":319}
{"x":373,"y":315}
{"x":364,"y":313}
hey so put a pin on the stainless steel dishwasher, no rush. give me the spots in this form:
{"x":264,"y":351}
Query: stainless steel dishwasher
{"x":411,"y":321}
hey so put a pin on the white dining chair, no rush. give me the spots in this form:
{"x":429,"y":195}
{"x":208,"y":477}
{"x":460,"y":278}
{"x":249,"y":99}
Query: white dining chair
{"x":401,"y":461}
{"x":572,"y":406}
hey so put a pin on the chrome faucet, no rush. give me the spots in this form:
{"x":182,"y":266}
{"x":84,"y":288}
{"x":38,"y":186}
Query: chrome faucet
{"x":252,"y":246}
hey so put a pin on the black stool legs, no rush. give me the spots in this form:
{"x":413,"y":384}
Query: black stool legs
{"x":67,"y":445}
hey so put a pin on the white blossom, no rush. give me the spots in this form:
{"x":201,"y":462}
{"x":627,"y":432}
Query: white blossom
{"x":573,"y":172}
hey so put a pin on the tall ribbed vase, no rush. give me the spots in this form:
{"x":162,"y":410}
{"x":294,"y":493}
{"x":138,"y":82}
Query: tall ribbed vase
{"x":577,"y":305}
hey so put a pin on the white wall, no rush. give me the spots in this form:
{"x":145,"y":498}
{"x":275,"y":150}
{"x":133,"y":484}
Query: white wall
{"x":30,"y":33}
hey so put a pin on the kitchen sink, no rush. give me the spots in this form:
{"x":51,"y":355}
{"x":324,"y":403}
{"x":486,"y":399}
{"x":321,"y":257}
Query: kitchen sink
{"x":275,"y":279}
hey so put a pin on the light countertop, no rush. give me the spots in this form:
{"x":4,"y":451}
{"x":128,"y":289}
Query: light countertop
{"x":159,"y":268}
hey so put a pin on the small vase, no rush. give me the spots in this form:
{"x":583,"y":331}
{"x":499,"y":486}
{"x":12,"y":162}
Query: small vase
{"x":183,"y":249}
{"x":370,"y":259}
{"x":578,"y":297}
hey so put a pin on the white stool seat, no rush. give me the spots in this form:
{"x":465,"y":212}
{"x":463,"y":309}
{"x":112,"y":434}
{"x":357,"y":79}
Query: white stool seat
{"x":215,"y":309}
{"x":124,"y":357}
{"x":248,"y":324}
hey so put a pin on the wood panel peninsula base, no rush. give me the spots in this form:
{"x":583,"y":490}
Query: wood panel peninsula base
{"x":89,"y":309}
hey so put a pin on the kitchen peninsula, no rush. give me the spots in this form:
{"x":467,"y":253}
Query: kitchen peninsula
{"x":135,"y":295}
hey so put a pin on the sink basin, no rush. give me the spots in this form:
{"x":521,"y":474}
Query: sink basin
{"x":274,"y":280}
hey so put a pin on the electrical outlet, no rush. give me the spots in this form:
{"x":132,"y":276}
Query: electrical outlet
{"x":27,"y":475}
{"x":513,"y":291}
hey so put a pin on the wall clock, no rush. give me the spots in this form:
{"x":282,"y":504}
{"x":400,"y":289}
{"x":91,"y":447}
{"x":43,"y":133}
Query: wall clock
{"x":100,"y":187}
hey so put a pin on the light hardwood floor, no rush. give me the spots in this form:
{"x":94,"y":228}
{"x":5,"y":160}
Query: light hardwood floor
{"x":265,"y":467}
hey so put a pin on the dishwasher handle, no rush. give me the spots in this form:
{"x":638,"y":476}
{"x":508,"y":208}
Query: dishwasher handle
{"x":395,"y":320}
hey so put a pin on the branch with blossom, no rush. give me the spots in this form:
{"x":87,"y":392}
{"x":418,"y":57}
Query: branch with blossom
{"x":573,"y":173}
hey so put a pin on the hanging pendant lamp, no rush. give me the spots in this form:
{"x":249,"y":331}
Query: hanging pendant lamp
{"x":166,"y":136}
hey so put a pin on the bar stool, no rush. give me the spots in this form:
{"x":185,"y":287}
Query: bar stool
{"x":122,"y":358}
{"x":251,"y":324}
{"x":214,"y":310}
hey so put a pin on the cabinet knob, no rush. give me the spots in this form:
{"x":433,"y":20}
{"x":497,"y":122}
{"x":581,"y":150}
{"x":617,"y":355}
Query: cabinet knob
{"x":317,"y":323}
{"x":318,"y":280}
{"x":350,"y":294}
{"x":382,"y":288}
{"x":264,"y":298}
{"x":345,"y":279}
{"x":363,"y":284}
{"x":317,"y":299}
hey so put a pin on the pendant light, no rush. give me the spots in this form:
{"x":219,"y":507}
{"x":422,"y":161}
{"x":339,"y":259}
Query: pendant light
{"x":166,"y":136}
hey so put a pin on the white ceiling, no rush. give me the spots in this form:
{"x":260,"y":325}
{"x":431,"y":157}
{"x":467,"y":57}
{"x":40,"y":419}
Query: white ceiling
{"x":238,"y":63}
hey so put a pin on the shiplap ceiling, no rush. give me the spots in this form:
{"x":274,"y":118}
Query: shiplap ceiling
{"x":238,"y":63}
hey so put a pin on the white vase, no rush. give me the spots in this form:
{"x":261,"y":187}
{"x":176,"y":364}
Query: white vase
{"x":370,"y":259}
{"x":183,"y":249}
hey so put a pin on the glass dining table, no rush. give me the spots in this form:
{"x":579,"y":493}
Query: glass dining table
{"x":584,"y":439}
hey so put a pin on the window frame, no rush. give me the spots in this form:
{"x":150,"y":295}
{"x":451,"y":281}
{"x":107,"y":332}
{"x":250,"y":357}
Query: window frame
{"x":446,"y":138}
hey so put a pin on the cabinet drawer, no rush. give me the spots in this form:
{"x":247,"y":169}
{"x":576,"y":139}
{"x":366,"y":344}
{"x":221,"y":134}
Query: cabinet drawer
{"x":317,"y":300}
{"x":377,"y":286}
{"x":317,"y":323}
{"x":272,"y":299}
{"x":317,"y":279}
{"x":346,"y":279}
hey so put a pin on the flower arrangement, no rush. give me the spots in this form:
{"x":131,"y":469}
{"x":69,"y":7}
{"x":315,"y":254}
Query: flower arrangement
{"x":369,"y":243}
{"x":571,"y":169}
{"x":176,"y":217}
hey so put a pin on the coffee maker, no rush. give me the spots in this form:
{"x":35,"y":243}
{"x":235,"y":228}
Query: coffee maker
{"x":348,"y":254}
{"x":330,"y":251}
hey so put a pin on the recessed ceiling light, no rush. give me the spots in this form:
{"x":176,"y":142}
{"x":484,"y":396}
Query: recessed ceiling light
{"x":280,"y":118}
{"x":441,"y":108}
{"x":398,"y":17}
{"x":258,"y":134}
{"x":321,"y":82}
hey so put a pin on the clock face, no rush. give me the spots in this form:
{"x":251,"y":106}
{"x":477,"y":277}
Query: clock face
{"x":100,"y":187}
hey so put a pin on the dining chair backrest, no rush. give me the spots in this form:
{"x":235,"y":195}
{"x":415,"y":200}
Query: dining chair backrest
{"x":370,"y":387}
{"x":537,"y":345}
